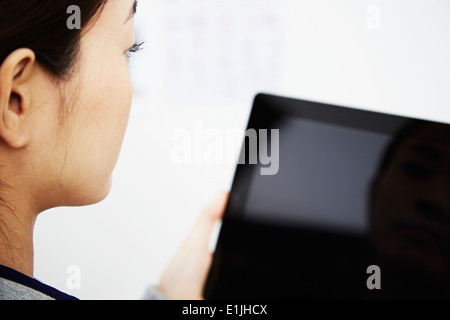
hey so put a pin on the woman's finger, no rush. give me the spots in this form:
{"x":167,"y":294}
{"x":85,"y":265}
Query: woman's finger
{"x":213,"y":213}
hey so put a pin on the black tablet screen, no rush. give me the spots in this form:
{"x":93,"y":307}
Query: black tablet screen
{"x":357,"y":205}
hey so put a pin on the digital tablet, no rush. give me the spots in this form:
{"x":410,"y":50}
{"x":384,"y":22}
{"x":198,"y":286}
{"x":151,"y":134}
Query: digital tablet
{"x":330,"y":202}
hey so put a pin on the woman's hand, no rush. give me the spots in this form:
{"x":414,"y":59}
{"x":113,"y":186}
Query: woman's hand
{"x":185,"y":276}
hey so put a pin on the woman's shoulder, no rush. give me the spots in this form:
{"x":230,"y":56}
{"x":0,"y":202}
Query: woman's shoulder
{"x":17,"y":286}
{"x":10,"y":290}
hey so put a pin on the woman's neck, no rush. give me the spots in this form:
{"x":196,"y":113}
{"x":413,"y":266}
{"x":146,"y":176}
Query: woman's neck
{"x":16,"y":240}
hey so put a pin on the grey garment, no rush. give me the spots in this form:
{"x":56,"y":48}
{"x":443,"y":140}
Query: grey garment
{"x":10,"y":290}
{"x":154,"y":294}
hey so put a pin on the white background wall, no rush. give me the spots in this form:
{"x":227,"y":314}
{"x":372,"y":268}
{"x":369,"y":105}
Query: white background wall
{"x":203,"y":62}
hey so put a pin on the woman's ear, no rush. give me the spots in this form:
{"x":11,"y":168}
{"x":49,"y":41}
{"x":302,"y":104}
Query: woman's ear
{"x":15,"y":97}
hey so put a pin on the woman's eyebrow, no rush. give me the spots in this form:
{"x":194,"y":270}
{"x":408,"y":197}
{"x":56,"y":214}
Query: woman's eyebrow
{"x":132,"y":11}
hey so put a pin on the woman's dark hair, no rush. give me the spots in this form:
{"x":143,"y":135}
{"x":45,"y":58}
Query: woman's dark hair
{"x":41,"y":25}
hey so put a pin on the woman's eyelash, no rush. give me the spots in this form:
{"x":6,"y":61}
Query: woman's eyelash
{"x":134,"y":48}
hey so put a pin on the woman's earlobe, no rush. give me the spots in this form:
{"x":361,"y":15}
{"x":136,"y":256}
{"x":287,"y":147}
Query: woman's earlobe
{"x":13,"y":128}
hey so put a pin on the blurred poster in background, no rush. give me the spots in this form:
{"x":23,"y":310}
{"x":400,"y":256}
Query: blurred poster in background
{"x":216,"y":52}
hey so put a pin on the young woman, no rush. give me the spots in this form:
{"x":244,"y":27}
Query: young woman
{"x":65,"y":98}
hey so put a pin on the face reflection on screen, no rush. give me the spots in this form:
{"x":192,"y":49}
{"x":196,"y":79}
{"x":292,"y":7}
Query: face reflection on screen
{"x":410,"y":199}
